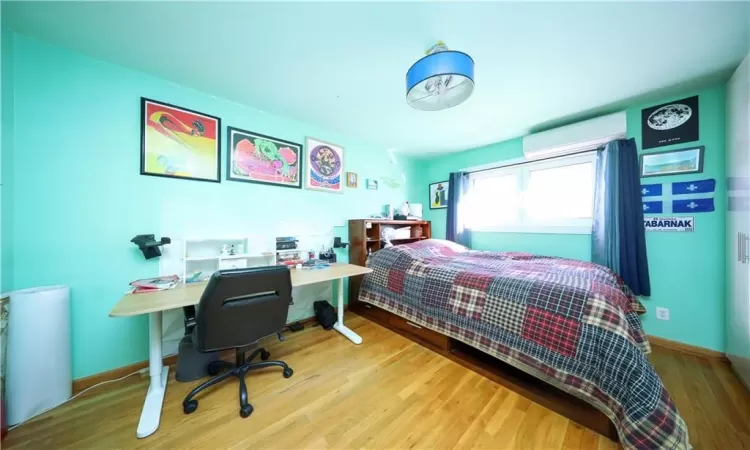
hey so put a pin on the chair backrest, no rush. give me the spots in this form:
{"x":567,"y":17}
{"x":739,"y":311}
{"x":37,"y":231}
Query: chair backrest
{"x":240,"y":306}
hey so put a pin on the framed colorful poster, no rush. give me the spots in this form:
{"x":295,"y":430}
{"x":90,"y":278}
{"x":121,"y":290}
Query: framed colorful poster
{"x":670,"y":123}
{"x":257,"y":158}
{"x":672,"y":162}
{"x":439,"y":195}
{"x":179,"y":143}
{"x":325,"y":166}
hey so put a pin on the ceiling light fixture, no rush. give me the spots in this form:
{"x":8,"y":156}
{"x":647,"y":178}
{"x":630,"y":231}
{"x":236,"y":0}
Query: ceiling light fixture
{"x":442,"y":79}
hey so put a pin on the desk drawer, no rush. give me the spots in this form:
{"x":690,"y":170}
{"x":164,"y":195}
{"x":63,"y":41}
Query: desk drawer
{"x":375,"y":313}
{"x":225,"y":264}
{"x":420,"y":333}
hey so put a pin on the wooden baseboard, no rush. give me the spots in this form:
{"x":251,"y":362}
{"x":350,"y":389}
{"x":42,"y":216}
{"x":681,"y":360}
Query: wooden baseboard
{"x":686,"y":348}
{"x":80,"y":384}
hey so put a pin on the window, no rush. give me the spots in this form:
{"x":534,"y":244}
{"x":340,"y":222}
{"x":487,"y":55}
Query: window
{"x":553,"y":196}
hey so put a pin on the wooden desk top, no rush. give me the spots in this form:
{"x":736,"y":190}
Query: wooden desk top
{"x":190,"y":294}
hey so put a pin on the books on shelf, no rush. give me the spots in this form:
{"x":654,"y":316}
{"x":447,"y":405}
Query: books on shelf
{"x":154,"y":284}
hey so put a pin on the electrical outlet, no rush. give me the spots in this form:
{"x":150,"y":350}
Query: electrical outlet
{"x":662,"y":313}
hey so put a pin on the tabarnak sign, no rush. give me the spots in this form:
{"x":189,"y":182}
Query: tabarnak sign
{"x":669,"y":223}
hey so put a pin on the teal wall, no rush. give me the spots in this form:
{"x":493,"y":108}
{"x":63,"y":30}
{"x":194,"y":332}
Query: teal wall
{"x":77,"y":197}
{"x":6,"y":150}
{"x":687,"y":269}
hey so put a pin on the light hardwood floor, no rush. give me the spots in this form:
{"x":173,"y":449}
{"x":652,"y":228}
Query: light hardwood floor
{"x":387,"y":393}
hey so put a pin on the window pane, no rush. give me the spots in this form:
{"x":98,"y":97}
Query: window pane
{"x":560,"y":193}
{"x":494,"y":201}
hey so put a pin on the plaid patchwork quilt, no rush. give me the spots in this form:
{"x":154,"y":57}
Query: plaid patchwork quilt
{"x":570,"y":323}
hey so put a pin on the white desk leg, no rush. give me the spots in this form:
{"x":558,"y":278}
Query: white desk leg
{"x":352,"y":336}
{"x":151,"y":413}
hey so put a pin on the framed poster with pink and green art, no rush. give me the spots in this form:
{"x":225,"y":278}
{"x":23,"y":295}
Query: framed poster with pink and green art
{"x":256,"y":158}
{"x":325,"y":166}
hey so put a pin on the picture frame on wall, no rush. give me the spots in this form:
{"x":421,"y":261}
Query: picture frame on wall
{"x":670,"y":123}
{"x":177,"y":142}
{"x":351,"y":180}
{"x":439,"y":195}
{"x":325,"y":166}
{"x":261,"y":159}
{"x":672,"y":162}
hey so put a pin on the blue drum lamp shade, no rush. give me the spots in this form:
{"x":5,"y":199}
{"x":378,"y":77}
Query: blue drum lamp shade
{"x":442,"y":79}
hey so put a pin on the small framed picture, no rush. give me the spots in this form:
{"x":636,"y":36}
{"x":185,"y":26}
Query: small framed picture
{"x":672,"y":162}
{"x":351,"y":180}
{"x":439,"y":195}
{"x":372,"y":184}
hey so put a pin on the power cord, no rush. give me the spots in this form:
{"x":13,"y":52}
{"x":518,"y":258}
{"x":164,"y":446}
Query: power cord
{"x":145,"y":370}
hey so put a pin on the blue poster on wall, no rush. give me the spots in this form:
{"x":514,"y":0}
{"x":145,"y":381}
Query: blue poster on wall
{"x":693,"y":205}
{"x":694,"y":196}
{"x":653,"y":207}
{"x":651,"y":190}
{"x":694,"y":187}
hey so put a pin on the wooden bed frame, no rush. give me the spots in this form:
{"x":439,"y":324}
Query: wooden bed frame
{"x":363,"y":239}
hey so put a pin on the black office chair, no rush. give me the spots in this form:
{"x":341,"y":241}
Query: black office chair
{"x":237,"y":309}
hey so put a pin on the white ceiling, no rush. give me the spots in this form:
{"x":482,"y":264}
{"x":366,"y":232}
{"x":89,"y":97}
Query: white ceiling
{"x":342,"y":65}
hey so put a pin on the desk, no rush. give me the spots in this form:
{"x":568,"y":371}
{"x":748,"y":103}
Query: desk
{"x":155,"y":303}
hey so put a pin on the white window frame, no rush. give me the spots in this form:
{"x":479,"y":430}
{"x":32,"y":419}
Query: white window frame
{"x":526,"y":225}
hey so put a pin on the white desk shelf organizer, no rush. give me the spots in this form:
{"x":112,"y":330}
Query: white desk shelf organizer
{"x":203,"y":257}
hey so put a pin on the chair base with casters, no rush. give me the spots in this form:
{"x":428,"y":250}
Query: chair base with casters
{"x":238,"y":369}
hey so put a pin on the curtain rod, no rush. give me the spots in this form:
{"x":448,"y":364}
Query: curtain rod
{"x":537,"y":160}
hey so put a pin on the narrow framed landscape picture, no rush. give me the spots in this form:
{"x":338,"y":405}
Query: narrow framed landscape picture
{"x":672,"y":162}
{"x":179,"y":143}
{"x":439,"y":195}
{"x":325,"y":166}
{"x":257,"y":158}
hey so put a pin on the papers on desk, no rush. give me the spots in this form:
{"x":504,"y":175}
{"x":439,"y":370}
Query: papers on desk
{"x":315,"y":264}
{"x":154,"y":284}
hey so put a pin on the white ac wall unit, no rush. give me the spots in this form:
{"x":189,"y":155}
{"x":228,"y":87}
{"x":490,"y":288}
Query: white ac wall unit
{"x":578,"y":137}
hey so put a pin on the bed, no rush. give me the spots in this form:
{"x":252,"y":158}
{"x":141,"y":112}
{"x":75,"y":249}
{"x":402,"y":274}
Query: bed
{"x":572,"y":324}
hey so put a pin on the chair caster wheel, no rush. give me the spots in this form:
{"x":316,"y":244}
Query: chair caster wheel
{"x":190,"y":407}
{"x":264,"y":355}
{"x":214,"y":368}
{"x":288,"y":372}
{"x":245,"y":411}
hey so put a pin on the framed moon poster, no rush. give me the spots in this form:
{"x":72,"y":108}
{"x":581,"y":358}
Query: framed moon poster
{"x":325,"y":166}
{"x":670,"y":123}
